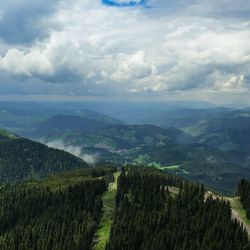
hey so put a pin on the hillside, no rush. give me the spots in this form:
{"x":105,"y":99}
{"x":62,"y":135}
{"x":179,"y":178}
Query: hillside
{"x":224,"y":128}
{"x":25,"y":159}
{"x":59,"y":212}
{"x":162,"y":148}
{"x":206,"y":145}
{"x":99,"y":208}
{"x":214,"y":168}
{"x":121,"y":137}
{"x":228,"y":132}
{"x":149,"y":216}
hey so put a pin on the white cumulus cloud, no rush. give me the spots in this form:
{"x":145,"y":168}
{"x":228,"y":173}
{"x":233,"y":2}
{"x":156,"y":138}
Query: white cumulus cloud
{"x":97,"y":50}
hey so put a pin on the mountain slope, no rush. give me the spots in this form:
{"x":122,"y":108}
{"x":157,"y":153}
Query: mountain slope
{"x":149,"y":216}
{"x":170,"y":149}
{"x":24,"y":159}
{"x":59,"y":212}
{"x":119,"y":137}
{"x":148,"y":210}
{"x":208,"y":165}
{"x":228,"y":132}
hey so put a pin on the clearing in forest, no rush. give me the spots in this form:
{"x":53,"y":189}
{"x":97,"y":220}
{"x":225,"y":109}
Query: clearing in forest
{"x":108,"y":200}
{"x":239,"y":213}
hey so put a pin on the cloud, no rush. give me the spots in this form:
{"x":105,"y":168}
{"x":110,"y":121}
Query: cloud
{"x":132,"y":67}
{"x":228,"y":82}
{"x":87,"y":48}
{"x":23,"y":21}
{"x":92,"y":160}
{"x":19,"y":63}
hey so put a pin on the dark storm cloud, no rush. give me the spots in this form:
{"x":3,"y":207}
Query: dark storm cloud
{"x":21,"y":20}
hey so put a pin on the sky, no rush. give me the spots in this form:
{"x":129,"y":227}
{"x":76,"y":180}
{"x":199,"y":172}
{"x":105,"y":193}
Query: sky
{"x":147,"y":50}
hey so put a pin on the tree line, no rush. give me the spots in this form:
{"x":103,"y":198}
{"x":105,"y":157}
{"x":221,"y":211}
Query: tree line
{"x":244,"y":193}
{"x":58,"y":213}
{"x":148,"y":216}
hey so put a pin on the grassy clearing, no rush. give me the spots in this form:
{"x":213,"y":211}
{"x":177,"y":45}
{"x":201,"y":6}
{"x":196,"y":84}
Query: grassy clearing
{"x":237,"y":210}
{"x":173,"y":167}
{"x":236,"y":205}
{"x":177,"y":169}
{"x":108,"y":200}
{"x":159,"y":166}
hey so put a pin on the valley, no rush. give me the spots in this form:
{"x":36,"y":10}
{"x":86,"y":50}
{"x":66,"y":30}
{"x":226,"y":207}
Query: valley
{"x":205,"y":145}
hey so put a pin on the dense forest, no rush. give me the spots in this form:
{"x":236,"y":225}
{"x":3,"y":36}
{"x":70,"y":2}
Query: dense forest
{"x":221,"y":176}
{"x":244,"y":193}
{"x":58,"y":213}
{"x":149,"y":216}
{"x":22,"y":159}
{"x":153,"y":210}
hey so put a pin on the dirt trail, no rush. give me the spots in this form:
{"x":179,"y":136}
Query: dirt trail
{"x":102,"y":235}
{"x":237,"y":211}
{"x":236,"y":215}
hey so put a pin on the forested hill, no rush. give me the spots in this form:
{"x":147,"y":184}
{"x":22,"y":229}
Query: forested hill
{"x":152,"y":211}
{"x":58,"y":213}
{"x":149,"y":216}
{"x":22,"y":159}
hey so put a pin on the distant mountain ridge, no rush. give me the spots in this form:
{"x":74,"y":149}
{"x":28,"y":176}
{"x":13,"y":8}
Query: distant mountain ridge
{"x":63,"y":123}
{"x":22,"y":117}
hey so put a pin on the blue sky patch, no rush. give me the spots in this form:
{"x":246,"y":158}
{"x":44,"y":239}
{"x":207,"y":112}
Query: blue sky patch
{"x":124,"y":3}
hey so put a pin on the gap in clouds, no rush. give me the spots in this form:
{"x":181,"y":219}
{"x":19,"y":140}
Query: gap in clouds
{"x":125,"y":3}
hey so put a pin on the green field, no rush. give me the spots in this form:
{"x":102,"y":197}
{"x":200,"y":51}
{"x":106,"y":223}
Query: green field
{"x":173,"y":167}
{"x":159,"y":166}
{"x":108,"y":200}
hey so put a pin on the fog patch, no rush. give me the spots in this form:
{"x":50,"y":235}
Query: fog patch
{"x":90,"y":159}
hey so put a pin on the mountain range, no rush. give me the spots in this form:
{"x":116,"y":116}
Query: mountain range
{"x":208,"y":145}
